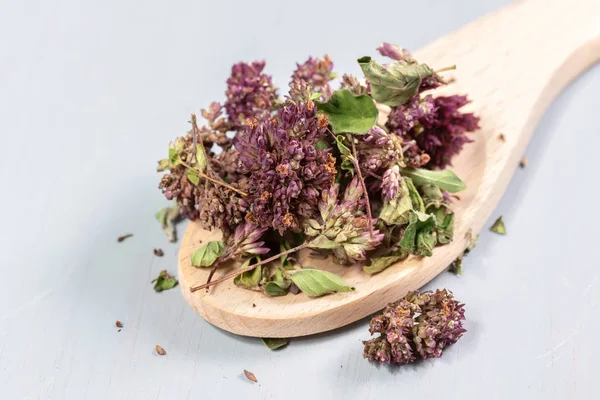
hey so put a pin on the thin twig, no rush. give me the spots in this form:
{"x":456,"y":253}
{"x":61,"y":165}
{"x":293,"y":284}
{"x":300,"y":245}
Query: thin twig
{"x":374,"y":175}
{"x":218,"y":182}
{"x":195,"y":135}
{"x":364,"y":187}
{"x":249,"y":268}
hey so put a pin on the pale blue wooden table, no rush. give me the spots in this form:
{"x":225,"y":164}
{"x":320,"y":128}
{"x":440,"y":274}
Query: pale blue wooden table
{"x":92,"y":92}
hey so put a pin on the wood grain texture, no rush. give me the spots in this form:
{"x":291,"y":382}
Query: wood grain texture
{"x":511,"y":64}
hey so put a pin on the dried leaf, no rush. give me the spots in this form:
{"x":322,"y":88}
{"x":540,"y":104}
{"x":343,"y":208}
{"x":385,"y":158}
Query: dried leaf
{"x":174,"y":158}
{"x":498,"y":227}
{"x":250,"y":376}
{"x":249,"y":279}
{"x":278,"y":285}
{"x":119,"y":324}
{"x":160,"y":351}
{"x":346,"y":154}
{"x":164,"y":281}
{"x":206,"y":255}
{"x":168,"y":217}
{"x":159,"y":252}
{"x":456,"y":266}
{"x":444,"y":179}
{"x":193,"y":176}
{"x":200,"y":157}
{"x":315,"y":282}
{"x":379,"y":264}
{"x":275,"y":343}
{"x":393,"y":84}
{"x":349,"y":113}
{"x":419,"y":238}
{"x":395,"y":211}
{"x":125,"y":236}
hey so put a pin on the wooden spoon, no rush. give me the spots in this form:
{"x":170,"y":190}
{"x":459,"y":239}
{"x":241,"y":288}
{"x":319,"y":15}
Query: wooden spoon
{"x":511,"y":63}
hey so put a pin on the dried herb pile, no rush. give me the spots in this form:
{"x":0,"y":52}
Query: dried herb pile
{"x":317,"y":169}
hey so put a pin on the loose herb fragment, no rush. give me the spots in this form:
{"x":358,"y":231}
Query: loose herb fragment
{"x":168,"y":217}
{"x":275,"y":343}
{"x":119,"y":324}
{"x":121,"y":238}
{"x":523,"y":162}
{"x":164,"y":281}
{"x":420,"y":325}
{"x":160,"y":351}
{"x":250,"y":376}
{"x":379,"y":264}
{"x":159,"y":252}
{"x":498,"y":227}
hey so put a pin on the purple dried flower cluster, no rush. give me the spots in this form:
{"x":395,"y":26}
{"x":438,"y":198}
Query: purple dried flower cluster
{"x":436,"y":126}
{"x":317,"y":73}
{"x":285,"y":172}
{"x":250,"y":93}
{"x":420,"y":325}
{"x":298,"y":169}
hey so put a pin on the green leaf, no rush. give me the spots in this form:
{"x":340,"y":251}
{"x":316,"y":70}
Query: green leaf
{"x":445,"y":223}
{"x":323,"y":242}
{"x":193,"y":176}
{"x":164,"y":281}
{"x":321,"y":145}
{"x":415,"y":197}
{"x":315,"y":282}
{"x":315,"y":96}
{"x":395,"y":211}
{"x":200,"y":157}
{"x":432,"y":193}
{"x":444,"y":179}
{"x":347,"y":157}
{"x":393,"y":84}
{"x":456,"y":266}
{"x":168,"y":217}
{"x":275,"y":343}
{"x":419,"y":238}
{"x":499,"y":227}
{"x":162,"y":165}
{"x":174,"y":158}
{"x":381,"y":263}
{"x":278,"y":285}
{"x":206,"y":255}
{"x":285,"y":261}
{"x":249,"y":279}
{"x":350,"y":113}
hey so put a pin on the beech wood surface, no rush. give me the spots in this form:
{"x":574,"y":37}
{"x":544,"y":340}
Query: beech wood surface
{"x":511,"y":64}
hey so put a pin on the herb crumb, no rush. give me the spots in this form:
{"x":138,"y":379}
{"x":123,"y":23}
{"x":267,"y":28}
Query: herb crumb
{"x":125,"y":236}
{"x":250,"y":376}
{"x":502,"y":137}
{"x":160,"y":351}
{"x":159,"y":252}
{"x":523,"y":162}
{"x":253,"y":305}
{"x":119,"y":324}
{"x":164,"y":281}
{"x":498,"y":227}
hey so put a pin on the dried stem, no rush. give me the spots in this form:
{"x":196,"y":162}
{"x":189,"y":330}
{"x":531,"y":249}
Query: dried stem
{"x":450,"y":68}
{"x":218,"y":182}
{"x":249,"y":268}
{"x":364,"y":187}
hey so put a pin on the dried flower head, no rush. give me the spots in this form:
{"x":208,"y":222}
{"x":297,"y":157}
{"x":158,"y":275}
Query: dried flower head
{"x":250,"y":93}
{"x":317,"y":73}
{"x":286,"y":174}
{"x":421,"y":324}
